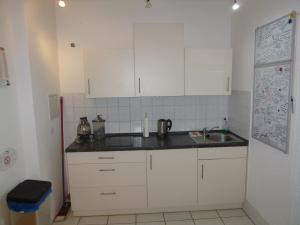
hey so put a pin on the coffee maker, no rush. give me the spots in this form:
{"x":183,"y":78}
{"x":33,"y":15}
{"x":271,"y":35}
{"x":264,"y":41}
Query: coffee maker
{"x":163,"y":126}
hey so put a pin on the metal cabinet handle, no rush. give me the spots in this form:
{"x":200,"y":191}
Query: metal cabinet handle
{"x":139,"y":85}
{"x":150,"y":162}
{"x":228,"y":84}
{"x":202,"y":172}
{"x":106,"y":157}
{"x":89,"y":87}
{"x":108,"y":193}
{"x":107,"y":170}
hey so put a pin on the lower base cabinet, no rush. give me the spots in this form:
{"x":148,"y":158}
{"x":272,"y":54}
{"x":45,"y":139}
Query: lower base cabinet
{"x":221,"y":181}
{"x":172,"y":178}
{"x":160,"y":180}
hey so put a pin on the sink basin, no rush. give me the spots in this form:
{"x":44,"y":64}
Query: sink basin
{"x":216,"y":138}
{"x":219,"y":137}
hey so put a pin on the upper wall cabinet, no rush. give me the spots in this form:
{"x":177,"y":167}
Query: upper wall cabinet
{"x":208,"y":71}
{"x":159,"y":59}
{"x":109,"y":72}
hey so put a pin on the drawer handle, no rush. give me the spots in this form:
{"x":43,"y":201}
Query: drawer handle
{"x":108,"y":193}
{"x":107,"y":170}
{"x":106,"y":157}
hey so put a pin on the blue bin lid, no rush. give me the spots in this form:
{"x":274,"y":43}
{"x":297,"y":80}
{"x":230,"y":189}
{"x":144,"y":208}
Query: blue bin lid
{"x":28,"y":195}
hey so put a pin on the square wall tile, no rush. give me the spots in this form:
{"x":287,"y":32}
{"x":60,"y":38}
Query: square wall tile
{"x":124,"y":102}
{"x":124,"y":114}
{"x":125,"y":127}
{"x":101,"y":102}
{"x":112,"y":102}
{"x":113,"y":114}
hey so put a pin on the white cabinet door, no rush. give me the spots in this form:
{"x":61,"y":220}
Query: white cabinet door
{"x":172,"y":178}
{"x":221,"y":181}
{"x":208,"y":71}
{"x":109,"y":72}
{"x":159,"y":59}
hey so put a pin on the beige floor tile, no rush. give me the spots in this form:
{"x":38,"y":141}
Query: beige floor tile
{"x":93,"y":220}
{"x":182,"y":222}
{"x":210,"y":214}
{"x":231,"y":213}
{"x":121,"y":219}
{"x":71,"y":220}
{"x":124,"y":224}
{"x":152,"y":223}
{"x":173,"y":216}
{"x":237,"y":221}
{"x":151,"y":217}
{"x":216,"y":221}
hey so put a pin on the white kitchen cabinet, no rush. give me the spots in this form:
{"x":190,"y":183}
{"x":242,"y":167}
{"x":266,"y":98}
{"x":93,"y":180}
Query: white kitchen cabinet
{"x":109,"y":72}
{"x":208,"y":71}
{"x":107,"y":181}
{"x":159,"y":59}
{"x":172,"y":178}
{"x":221,"y":180}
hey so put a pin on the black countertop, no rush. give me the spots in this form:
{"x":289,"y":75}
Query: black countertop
{"x":134,"y":141}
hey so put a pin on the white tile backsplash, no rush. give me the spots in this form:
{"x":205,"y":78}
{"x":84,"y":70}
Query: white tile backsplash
{"x":124,"y":115}
{"x":240,"y":112}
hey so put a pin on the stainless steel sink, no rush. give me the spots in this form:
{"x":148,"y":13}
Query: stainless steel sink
{"x":219,"y":137}
{"x":216,"y":138}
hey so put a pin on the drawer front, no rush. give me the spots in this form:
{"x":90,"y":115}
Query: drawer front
{"x":95,"y":175}
{"x":222,"y":153}
{"x":106,"y":157}
{"x":133,"y":197}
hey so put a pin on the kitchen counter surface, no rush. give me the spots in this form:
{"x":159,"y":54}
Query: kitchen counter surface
{"x":134,"y":141}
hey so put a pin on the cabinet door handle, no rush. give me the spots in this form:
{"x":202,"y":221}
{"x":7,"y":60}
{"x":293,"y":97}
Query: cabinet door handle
{"x":150,"y":162}
{"x":107,"y":170}
{"x":108,"y":193}
{"x":202,"y":171}
{"x":89,"y":87}
{"x":228,"y":84}
{"x":139,"y":85}
{"x":106,"y":157}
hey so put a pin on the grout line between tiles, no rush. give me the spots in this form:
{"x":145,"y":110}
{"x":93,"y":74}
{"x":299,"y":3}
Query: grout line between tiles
{"x":220,"y":217}
{"x":192,"y":217}
{"x":107,"y":220}
{"x":248,"y":216}
{"x":165,"y":221}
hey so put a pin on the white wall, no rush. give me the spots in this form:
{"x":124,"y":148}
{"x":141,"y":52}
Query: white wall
{"x":271,"y":182}
{"x":42,"y":42}
{"x":10,"y":135}
{"x":28,"y":33}
{"x":102,"y":23}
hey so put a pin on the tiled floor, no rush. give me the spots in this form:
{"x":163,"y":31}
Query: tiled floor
{"x":213,"y":217}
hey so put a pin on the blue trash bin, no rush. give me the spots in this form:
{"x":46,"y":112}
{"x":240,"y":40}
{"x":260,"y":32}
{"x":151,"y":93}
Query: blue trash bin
{"x":29,"y":203}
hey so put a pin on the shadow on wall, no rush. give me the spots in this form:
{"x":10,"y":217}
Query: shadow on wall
{"x":4,"y":212}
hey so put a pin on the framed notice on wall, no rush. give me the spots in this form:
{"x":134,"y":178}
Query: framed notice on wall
{"x":273,"y":79}
{"x":3,"y":69}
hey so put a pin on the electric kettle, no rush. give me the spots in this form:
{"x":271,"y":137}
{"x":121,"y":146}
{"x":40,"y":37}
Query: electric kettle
{"x":163,"y":126}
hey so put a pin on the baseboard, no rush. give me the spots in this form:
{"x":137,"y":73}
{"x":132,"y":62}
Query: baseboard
{"x":154,"y":210}
{"x":254,"y":214}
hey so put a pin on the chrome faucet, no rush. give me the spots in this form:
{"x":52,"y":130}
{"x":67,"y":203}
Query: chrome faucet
{"x":206,"y":130}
